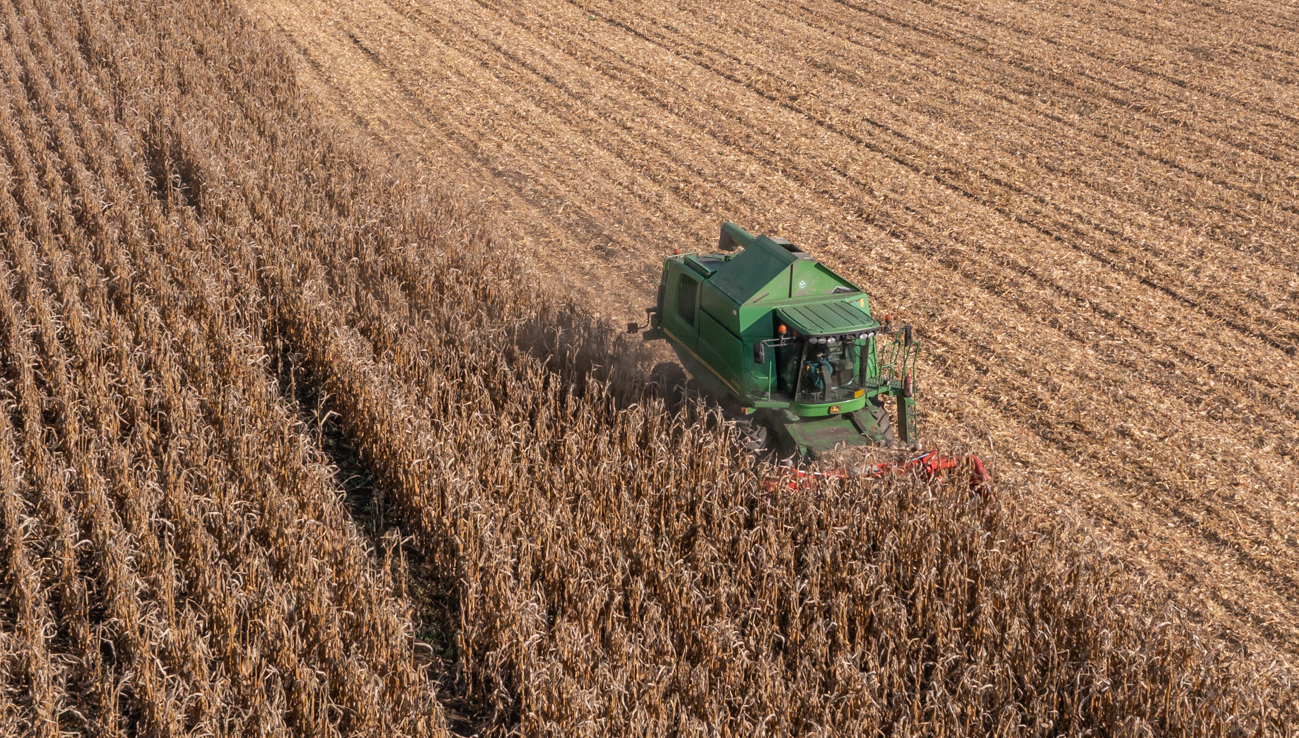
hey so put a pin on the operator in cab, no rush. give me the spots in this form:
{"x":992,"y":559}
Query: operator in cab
{"x":819,"y":370}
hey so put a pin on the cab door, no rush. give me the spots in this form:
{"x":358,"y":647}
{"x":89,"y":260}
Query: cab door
{"x":681,"y":312}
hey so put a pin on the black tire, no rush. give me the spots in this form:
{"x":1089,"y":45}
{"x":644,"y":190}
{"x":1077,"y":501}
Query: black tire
{"x":754,"y":435}
{"x":668,"y":375}
{"x":888,"y":436}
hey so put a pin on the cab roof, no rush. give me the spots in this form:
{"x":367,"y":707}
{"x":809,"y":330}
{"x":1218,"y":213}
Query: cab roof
{"x":826,"y":318}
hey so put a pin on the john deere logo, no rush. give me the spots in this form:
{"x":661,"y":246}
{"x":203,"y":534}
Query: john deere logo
{"x":834,"y":409}
{"x":802,"y":284}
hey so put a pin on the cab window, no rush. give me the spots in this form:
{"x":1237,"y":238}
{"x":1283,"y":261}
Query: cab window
{"x":829,"y":372}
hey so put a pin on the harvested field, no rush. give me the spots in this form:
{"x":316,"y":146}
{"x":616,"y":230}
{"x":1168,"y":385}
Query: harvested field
{"x":248,"y":373}
{"x":1090,"y":211}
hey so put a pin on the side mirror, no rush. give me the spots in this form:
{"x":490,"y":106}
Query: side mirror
{"x":633,"y":328}
{"x":759,"y":353}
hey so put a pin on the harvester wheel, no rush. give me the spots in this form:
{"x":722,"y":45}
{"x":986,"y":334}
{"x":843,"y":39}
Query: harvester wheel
{"x":668,"y":375}
{"x":884,"y":421}
{"x":753,"y":434}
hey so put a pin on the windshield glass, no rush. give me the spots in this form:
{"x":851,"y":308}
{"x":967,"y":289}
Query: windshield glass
{"x":828,"y":372}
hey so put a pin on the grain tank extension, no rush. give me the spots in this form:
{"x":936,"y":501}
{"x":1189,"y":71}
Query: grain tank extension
{"x":788,"y":345}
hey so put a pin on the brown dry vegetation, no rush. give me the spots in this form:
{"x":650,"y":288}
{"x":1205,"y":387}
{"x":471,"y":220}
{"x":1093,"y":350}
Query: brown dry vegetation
{"x":1089,"y":210}
{"x":212,"y":309}
{"x":176,"y":558}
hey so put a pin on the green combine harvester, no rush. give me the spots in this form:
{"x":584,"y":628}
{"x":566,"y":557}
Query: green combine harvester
{"x":788,"y":347}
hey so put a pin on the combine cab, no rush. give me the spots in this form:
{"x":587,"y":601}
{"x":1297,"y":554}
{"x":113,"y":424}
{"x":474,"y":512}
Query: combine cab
{"x":788,"y":345}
